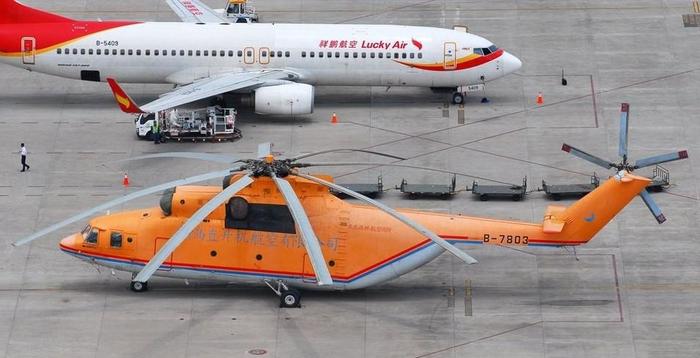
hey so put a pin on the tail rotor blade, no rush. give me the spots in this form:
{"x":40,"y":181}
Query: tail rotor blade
{"x":307,"y":232}
{"x":414,"y":225}
{"x":624,"y":130}
{"x":121,"y":200}
{"x":181,"y":234}
{"x":651,"y":204}
{"x":587,"y":157}
{"x":663,"y":158}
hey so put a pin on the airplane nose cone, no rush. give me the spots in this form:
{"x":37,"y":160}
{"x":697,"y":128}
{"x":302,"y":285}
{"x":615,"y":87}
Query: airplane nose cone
{"x":511,"y":63}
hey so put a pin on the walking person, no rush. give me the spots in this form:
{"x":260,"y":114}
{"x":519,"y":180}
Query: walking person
{"x":23,"y":153}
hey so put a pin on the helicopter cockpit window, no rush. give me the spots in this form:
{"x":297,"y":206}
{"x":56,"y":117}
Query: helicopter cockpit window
{"x":91,"y":237}
{"x":115,"y":239}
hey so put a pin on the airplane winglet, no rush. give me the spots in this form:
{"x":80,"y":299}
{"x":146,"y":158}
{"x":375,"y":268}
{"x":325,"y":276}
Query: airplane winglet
{"x":126,"y":104}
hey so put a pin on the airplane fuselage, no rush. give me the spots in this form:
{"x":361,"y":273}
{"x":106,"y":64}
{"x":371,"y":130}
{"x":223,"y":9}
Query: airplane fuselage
{"x":180,"y":53}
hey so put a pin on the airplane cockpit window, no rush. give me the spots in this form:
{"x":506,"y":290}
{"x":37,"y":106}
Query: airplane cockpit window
{"x":493,"y":48}
{"x":478,"y":51}
{"x":486,"y":51}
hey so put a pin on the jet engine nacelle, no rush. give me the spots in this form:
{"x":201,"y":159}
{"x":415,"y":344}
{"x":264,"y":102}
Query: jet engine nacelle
{"x":286,"y":99}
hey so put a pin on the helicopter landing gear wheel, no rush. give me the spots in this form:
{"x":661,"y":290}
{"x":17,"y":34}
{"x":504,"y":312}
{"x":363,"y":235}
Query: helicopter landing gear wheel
{"x":290,"y":298}
{"x":457,"y":98}
{"x":137,"y":286}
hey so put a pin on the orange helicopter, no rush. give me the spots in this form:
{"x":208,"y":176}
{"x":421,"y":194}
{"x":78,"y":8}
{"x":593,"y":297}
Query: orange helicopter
{"x":272,"y":223}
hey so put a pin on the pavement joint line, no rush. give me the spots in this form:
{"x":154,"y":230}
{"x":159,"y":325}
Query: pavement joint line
{"x":519,"y":327}
{"x":385,"y":11}
{"x":680,"y":195}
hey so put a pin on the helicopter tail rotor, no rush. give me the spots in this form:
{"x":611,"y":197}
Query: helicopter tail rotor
{"x":624,"y":166}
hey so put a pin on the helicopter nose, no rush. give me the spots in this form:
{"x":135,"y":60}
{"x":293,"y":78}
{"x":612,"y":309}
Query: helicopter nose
{"x":511,"y":63}
{"x":70,"y":243}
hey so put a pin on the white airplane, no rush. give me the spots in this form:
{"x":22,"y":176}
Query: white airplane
{"x":278,"y":63}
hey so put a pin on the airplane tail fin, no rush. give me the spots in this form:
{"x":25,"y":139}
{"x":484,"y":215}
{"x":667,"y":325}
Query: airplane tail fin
{"x":12,"y":12}
{"x":126,"y":104}
{"x":578,"y":223}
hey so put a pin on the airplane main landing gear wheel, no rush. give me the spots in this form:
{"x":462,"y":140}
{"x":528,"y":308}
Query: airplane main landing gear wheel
{"x":137,"y":286}
{"x":290,"y":298}
{"x":457,"y":98}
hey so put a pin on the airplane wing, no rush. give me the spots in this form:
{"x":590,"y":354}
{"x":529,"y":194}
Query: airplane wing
{"x":195,"y":11}
{"x":201,"y":89}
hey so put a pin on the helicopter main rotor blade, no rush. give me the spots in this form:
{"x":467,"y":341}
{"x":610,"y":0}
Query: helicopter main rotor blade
{"x":323,"y":276}
{"x":121,"y":200}
{"x":651,"y":204}
{"x":181,"y":234}
{"x":658,"y":159}
{"x":624,"y":130}
{"x":264,"y":149}
{"x":414,"y":225}
{"x":587,"y":157}
{"x":218,"y":158}
{"x":342,"y":150}
{"x":346,"y":164}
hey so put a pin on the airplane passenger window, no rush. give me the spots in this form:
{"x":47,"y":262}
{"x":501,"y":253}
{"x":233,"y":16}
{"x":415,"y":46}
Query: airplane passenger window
{"x":174,"y":53}
{"x":287,"y":54}
{"x":346,"y":55}
{"x":206,"y":52}
{"x":240,"y":53}
{"x":189,"y":53}
{"x":320,"y":54}
{"x":272,"y":53}
{"x":106,"y":52}
{"x":138,"y":52}
{"x":420,"y":55}
{"x":156,"y":52}
{"x":249,"y":53}
{"x":396,"y":55}
{"x":303,"y":53}
{"x":122,"y":52}
{"x":380,"y":55}
{"x":330,"y":54}
{"x":403,"y":55}
{"x":114,"y":52}
{"x":312,"y":54}
{"x":59,"y":51}
{"x":412,"y":55}
{"x":115,"y":239}
{"x":337,"y":55}
{"x":148,"y":52}
{"x":263,"y":53}
{"x":90,"y":51}
{"x":75,"y":51}
{"x":99,"y":52}
{"x":164,"y":52}
{"x":213,"y":53}
{"x":364,"y":55}
{"x":82,"y":51}
{"x":66,"y":51}
{"x":279,"y":53}
{"x":230,"y":53}
{"x":354,"y":55}
{"x":222,"y":53}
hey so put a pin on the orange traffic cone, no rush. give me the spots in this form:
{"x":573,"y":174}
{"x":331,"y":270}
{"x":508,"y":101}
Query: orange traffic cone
{"x":126,"y":180}
{"x":540,"y":99}
{"x":334,"y":118}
